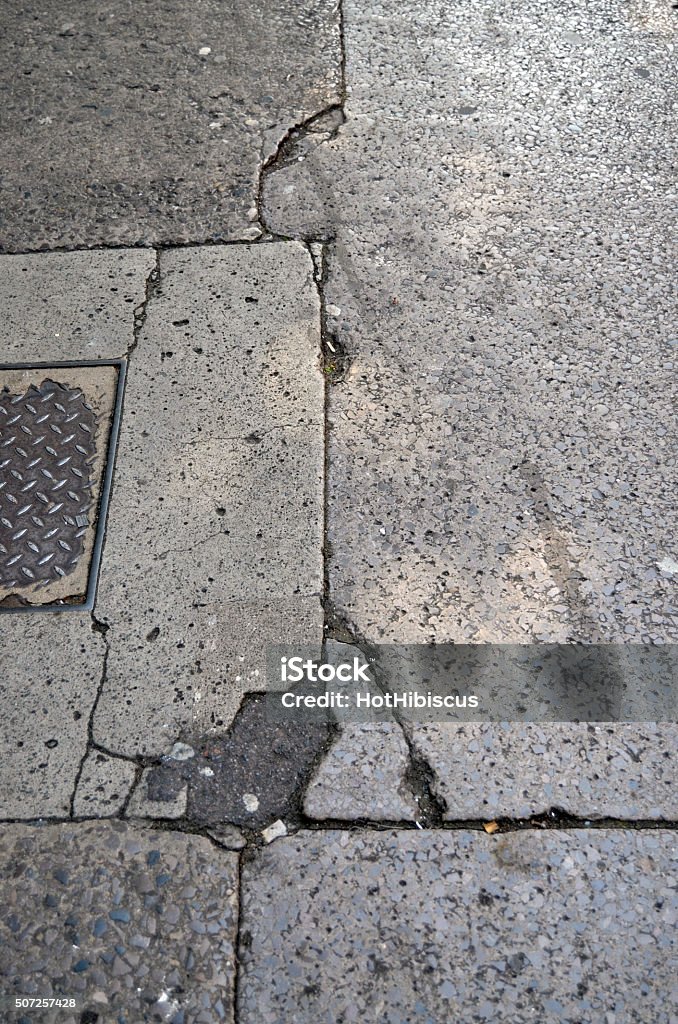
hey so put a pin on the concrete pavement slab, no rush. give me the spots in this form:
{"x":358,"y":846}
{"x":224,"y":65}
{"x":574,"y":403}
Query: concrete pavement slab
{"x":625,"y":770}
{"x":131,"y":924}
{"x":213,"y":544}
{"x":436,"y":926}
{"x":363,"y":776}
{"x":499,"y":209}
{"x":78,"y":305}
{"x":123,"y":127}
{"x":215,"y":527}
{"x":57,"y":308}
{"x":51,"y":672}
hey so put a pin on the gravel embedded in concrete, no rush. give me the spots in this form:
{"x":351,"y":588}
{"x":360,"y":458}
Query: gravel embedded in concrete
{"x":363,"y":775}
{"x":435,"y":926}
{"x":135,"y":924}
{"x":125,"y":128}
{"x":625,"y":771}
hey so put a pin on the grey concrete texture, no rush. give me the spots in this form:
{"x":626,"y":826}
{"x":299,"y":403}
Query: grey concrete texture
{"x":407,"y":926}
{"x":213,"y":546}
{"x":55,"y":308}
{"x":363,"y":776}
{"x":135,"y":925}
{"x":50,"y":671}
{"x":63,"y":306}
{"x":500,"y":209}
{"x":126,"y":125}
{"x":624,"y":771}
{"x":103,"y":786}
{"x":215,"y":526}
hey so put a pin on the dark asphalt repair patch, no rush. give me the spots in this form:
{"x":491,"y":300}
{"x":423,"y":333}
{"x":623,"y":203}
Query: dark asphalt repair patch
{"x":253,"y":775}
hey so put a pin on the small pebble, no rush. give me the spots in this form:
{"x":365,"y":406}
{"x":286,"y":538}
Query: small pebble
{"x":274,"y":831}
{"x":181,"y":752}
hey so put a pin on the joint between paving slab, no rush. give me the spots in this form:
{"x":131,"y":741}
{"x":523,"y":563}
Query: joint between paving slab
{"x":553,"y":820}
{"x":342,"y":55}
{"x":331,"y":355}
{"x":239,"y":937}
{"x":319,"y":261}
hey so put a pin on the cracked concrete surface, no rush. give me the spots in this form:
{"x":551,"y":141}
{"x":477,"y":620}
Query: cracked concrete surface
{"x":214,"y":546}
{"x":103,"y":786}
{"x":214,"y":534}
{"x":51,"y":670}
{"x":498,"y":275}
{"x":78,"y":306}
{"x":500,"y":209}
{"x":126,"y":128}
{"x":484,"y":200}
{"x":595,"y":770}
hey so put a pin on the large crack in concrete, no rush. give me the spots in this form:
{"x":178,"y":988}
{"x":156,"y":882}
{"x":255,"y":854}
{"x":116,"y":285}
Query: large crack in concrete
{"x":295,"y":145}
{"x":141,"y":311}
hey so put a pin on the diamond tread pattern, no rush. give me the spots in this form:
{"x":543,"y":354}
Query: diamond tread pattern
{"x":47,"y":447}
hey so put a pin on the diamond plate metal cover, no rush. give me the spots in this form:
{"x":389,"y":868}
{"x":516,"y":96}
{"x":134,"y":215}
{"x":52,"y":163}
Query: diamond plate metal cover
{"x":55,"y":425}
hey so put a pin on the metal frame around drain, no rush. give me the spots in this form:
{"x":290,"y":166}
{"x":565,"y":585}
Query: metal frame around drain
{"x":106,"y":482}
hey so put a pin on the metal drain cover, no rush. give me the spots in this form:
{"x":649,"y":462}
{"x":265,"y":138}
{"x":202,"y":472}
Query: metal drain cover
{"x":55,"y":434}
